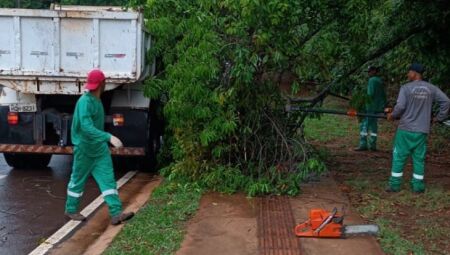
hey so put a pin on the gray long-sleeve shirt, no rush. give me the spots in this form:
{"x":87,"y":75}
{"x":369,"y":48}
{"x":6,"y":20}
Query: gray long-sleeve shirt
{"x":414,"y":104}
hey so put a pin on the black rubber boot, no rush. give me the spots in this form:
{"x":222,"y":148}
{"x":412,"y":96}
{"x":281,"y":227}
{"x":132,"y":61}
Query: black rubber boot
{"x":75,"y":216}
{"x":116,"y":220}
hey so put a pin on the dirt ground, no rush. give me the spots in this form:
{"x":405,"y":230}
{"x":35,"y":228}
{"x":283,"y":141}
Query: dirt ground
{"x":421,"y":219}
{"x":371,"y":172}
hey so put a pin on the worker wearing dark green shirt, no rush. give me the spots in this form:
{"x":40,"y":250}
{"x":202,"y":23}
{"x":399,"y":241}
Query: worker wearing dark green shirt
{"x":375,"y":104}
{"x":91,"y":152}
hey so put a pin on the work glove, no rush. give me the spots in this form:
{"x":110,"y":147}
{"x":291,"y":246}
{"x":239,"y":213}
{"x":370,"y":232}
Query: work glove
{"x":115,"y":142}
{"x":388,"y":112}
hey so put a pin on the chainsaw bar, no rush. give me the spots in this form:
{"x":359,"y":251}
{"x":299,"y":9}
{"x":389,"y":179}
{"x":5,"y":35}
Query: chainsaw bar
{"x":361,"y":230}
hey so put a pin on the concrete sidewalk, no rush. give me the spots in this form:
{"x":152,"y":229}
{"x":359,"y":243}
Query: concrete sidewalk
{"x":228,"y":224}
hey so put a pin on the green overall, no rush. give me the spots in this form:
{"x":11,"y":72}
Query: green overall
{"x":408,"y":143}
{"x":91,"y":155}
{"x":377,"y":101}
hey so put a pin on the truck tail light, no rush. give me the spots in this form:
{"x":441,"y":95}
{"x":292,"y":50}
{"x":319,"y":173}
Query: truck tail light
{"x":118,"y":120}
{"x":13,"y":118}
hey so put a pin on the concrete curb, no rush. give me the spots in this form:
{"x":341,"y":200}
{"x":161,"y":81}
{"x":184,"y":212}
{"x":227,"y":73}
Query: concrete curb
{"x":104,"y":240}
{"x":94,"y":236}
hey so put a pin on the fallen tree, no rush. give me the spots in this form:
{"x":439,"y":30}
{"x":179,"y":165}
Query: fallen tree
{"x":221,"y":64}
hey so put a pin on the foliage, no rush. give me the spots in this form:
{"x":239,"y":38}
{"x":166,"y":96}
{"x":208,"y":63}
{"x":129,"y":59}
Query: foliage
{"x":221,"y":62}
{"x":157,"y":228}
{"x":392,"y":34}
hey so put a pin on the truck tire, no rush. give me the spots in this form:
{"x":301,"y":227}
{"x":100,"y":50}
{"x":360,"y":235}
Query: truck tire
{"x":155,"y":127}
{"x":27,"y":161}
{"x":148,"y":162}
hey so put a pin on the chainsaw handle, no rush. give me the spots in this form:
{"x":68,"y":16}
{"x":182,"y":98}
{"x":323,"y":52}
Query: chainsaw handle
{"x":326,"y":221}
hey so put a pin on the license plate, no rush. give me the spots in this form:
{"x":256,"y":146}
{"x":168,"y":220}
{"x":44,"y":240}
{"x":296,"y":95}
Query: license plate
{"x":22,"y":107}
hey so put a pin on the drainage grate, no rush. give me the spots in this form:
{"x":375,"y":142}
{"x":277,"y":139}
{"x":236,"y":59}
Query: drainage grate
{"x":276,"y":227}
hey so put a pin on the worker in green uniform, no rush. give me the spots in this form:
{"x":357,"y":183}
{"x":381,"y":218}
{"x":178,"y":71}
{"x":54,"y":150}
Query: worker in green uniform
{"x":375,"y":104}
{"x":413,"y":108}
{"x":91,"y":152}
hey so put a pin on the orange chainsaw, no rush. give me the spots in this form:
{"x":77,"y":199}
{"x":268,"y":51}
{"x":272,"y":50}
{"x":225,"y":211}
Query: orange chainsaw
{"x":324,"y":224}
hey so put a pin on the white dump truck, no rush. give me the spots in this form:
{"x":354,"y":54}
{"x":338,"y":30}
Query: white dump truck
{"x":45,"y":56}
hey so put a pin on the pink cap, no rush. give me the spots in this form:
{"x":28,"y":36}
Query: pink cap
{"x":94,"y":78}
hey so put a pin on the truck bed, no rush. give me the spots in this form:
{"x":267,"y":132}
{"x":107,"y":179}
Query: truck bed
{"x":51,"y":51}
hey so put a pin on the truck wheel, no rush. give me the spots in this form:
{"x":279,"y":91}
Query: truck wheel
{"x":27,"y":161}
{"x":155,"y":127}
{"x":148,"y":162}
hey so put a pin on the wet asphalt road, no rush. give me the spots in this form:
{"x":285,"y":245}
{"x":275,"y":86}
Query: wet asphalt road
{"x":32,"y":203}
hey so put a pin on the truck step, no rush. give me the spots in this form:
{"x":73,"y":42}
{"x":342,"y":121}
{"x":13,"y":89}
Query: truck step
{"x":54,"y":149}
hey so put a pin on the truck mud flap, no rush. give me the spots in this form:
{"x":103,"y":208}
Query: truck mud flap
{"x":53,"y":149}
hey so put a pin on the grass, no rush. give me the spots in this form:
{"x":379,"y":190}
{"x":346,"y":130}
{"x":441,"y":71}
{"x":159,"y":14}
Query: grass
{"x":410,"y":223}
{"x":434,"y":199}
{"x":159,"y":227}
{"x":329,"y":127}
{"x":358,"y":183}
{"x":392,"y":241}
